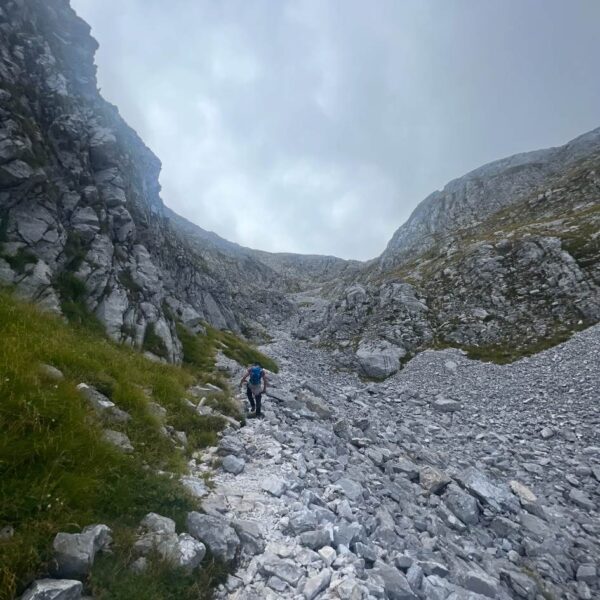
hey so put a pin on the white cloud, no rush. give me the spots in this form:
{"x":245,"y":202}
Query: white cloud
{"x":318,"y":125}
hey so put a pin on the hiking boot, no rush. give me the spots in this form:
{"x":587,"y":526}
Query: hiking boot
{"x":252,"y":414}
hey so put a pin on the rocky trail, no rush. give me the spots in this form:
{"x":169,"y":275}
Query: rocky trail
{"x":452,"y":480}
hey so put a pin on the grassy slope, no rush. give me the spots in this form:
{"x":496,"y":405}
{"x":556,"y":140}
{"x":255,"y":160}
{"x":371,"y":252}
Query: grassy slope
{"x":58,"y":474}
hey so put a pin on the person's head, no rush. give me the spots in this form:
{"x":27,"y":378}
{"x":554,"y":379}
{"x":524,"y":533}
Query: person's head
{"x":258,"y":365}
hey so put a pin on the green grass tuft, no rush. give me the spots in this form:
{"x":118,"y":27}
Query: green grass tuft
{"x":72,"y":293}
{"x":113,"y":579}
{"x":154,"y":343}
{"x":19,"y":261}
{"x":199,"y":350}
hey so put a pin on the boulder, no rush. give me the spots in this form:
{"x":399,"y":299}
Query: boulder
{"x":250,"y":535}
{"x":316,"y":584}
{"x":233,"y":464}
{"x":74,"y":553}
{"x":496,"y":496}
{"x":433,"y":480}
{"x":158,"y":524}
{"x":194,"y":485}
{"x":445,"y":405}
{"x":216,"y":533}
{"x":285,"y":570}
{"x":274,"y":486}
{"x":54,"y":589}
{"x":118,"y":440}
{"x":462,"y":505}
{"x":379,"y":359}
{"x":395,"y":583}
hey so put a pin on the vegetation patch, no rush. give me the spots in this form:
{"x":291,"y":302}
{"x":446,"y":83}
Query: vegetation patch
{"x":57,"y":472}
{"x":112,"y":578}
{"x":154,"y":343}
{"x":200,"y":350}
{"x":506,"y":353}
{"x":72,"y":293}
{"x":18,"y":262}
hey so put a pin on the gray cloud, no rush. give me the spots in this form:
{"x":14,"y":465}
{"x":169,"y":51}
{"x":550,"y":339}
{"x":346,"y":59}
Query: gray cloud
{"x":316,"y":126}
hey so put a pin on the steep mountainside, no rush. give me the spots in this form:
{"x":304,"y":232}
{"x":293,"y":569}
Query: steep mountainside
{"x":518,"y":275}
{"x":84,"y":229}
{"x":467,"y":201}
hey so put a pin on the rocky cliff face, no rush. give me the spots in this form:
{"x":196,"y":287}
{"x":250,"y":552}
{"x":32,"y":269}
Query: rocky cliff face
{"x":84,"y":229}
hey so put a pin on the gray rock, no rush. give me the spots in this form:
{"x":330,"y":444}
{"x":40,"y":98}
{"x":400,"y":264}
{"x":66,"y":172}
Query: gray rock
{"x":188,"y":553}
{"x":433,"y":480}
{"x":396,"y":584}
{"x":345,"y":534}
{"x":302,"y":520}
{"x":274,"y":486}
{"x":54,"y":589}
{"x":581,"y":499}
{"x":318,"y":406}
{"x":432,"y":567}
{"x":74,"y":553}
{"x":379,"y":359}
{"x":479,"y":582}
{"x":463,"y":505}
{"x":365,"y":551}
{"x":315,"y":539}
{"x":158,"y":524}
{"x":277,"y":584}
{"x":156,"y":410}
{"x":231,"y":445}
{"x":406,"y":467}
{"x":250,"y":535}
{"x":534,"y":526}
{"x":195,"y":486}
{"x":118,"y":440}
{"x":139,"y":565}
{"x":520,"y":584}
{"x":14,"y":173}
{"x":414,"y":576}
{"x":51,"y":372}
{"x":233,"y":464}
{"x":445,"y":405}
{"x":102,"y":405}
{"x":587,"y":573}
{"x":494,"y":495}
{"x":316,"y":584}
{"x":352,"y":489}
{"x":435,"y":587}
{"x":216,"y":533}
{"x":283,"y":569}
{"x":328,"y":555}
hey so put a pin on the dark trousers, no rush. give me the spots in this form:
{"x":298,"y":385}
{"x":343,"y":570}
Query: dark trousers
{"x":255,"y":400}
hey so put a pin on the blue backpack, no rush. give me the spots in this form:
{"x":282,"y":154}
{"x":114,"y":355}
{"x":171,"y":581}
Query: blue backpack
{"x":255,"y":375}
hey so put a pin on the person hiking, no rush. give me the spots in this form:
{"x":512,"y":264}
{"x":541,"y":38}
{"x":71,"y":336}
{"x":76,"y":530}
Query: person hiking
{"x":255,"y":388}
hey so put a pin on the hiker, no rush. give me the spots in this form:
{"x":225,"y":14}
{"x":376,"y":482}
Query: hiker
{"x":255,"y":388}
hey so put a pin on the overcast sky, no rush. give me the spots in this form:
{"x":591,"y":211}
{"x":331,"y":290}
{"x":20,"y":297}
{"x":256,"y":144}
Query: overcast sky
{"x":317,"y":126}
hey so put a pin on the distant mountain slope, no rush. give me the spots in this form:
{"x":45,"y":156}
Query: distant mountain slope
{"x":470,"y":199}
{"x":505,"y":261}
